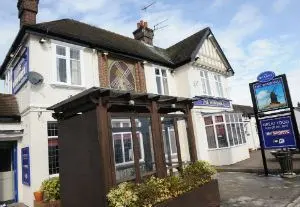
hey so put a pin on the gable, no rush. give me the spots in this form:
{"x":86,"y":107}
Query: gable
{"x":210,"y":56}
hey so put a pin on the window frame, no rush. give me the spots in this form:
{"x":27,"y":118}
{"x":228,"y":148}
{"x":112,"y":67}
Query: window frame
{"x":219,"y":85}
{"x":225,"y":122}
{"x":161,"y":81}
{"x":68,"y":59}
{"x":51,"y":138}
{"x":206,"y":83}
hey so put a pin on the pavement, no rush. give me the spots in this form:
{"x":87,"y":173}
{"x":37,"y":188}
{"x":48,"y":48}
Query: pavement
{"x":255,"y":164}
{"x":251,"y":190}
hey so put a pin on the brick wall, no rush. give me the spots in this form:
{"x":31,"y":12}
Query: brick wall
{"x":28,"y":10}
{"x":140,"y":84}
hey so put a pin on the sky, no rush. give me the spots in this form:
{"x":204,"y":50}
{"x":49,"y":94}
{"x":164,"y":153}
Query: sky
{"x":255,"y":35}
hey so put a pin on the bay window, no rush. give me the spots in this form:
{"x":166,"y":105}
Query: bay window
{"x":162,"y":81}
{"x":224,"y":130}
{"x":68,"y":65}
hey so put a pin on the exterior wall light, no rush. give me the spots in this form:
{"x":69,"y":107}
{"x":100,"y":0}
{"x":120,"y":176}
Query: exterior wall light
{"x":173,"y":106}
{"x":105,"y":53}
{"x":131,"y":103}
{"x":11,"y":55}
{"x":42,"y":40}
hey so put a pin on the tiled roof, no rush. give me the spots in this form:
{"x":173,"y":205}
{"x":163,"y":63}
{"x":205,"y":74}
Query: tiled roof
{"x":101,"y":39}
{"x":8,"y":106}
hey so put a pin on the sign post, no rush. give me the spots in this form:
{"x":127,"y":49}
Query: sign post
{"x":273,"y":109}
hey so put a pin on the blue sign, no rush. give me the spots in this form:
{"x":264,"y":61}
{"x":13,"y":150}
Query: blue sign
{"x":25,"y":166}
{"x":278,"y":132}
{"x":20,"y":72}
{"x":266,"y":76}
{"x":212,"y":102}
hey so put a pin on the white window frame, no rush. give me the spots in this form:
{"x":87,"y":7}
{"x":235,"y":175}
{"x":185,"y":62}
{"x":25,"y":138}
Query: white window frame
{"x":122,"y":122}
{"x":163,"y":92}
{"x":225,"y":122}
{"x":219,"y":85}
{"x":68,"y":48}
{"x":205,"y":83}
{"x":171,"y":129}
{"x":49,"y":138}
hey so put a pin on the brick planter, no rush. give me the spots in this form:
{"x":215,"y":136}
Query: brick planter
{"x":47,"y":204}
{"x":207,"y":196}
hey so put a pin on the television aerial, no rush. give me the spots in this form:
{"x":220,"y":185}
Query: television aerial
{"x":147,"y":6}
{"x":35,"y":78}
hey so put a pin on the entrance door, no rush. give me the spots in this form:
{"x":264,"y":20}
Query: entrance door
{"x":6,"y":172}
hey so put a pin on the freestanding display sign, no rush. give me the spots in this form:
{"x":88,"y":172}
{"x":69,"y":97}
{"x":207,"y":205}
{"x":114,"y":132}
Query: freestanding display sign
{"x":274,"y":113}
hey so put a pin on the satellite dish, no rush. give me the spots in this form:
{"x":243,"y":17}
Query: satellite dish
{"x":35,"y":78}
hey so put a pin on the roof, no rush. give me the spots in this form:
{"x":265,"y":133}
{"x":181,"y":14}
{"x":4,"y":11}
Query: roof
{"x":245,"y":110}
{"x":104,"y":40}
{"x":8,"y":106}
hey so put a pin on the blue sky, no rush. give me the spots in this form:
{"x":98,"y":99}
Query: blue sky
{"x":255,"y":35}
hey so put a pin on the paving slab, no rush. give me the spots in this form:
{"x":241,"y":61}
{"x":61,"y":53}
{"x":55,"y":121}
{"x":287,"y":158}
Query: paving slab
{"x":251,"y":190}
{"x":255,"y":164}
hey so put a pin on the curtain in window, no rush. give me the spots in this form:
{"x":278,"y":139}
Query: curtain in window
{"x":210,"y":133}
{"x":75,"y":72}
{"x":61,"y":70}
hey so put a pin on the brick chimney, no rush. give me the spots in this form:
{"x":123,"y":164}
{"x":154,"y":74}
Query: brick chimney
{"x":28,"y":10}
{"x":144,"y":33}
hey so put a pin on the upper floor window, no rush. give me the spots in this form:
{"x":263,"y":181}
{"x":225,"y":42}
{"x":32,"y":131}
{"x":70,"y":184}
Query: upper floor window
{"x":219,"y":86}
{"x":206,"y":89}
{"x":68,"y":65}
{"x":162,"y":81}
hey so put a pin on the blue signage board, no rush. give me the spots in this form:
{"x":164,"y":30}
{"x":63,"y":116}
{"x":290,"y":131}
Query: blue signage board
{"x":25,"y":166}
{"x":270,"y":95}
{"x":266,"y":76}
{"x":212,"y":102}
{"x":278,"y":132}
{"x":20,"y":72}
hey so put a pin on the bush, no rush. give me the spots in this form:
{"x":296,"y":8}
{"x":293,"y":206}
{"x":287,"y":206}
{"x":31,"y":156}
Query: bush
{"x":51,"y":189}
{"x":156,"y":190}
{"x":198,"y":173}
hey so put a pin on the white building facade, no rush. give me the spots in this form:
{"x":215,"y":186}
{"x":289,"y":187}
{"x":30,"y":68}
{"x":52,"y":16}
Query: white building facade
{"x":70,"y":62}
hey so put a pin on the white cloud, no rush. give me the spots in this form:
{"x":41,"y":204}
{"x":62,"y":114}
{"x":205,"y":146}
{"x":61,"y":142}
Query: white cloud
{"x":279,"y":5}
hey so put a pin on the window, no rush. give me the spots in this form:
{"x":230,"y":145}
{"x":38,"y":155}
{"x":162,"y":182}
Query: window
{"x":53,"y":149}
{"x":224,"y":133}
{"x":219,"y":86}
{"x":162,"y":81}
{"x":68,"y":65}
{"x":206,"y":90}
{"x":123,"y":146}
{"x":170,"y":140}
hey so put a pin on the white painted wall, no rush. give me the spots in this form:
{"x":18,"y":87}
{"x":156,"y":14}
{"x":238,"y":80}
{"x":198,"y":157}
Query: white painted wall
{"x":297,"y":115}
{"x":251,"y":133}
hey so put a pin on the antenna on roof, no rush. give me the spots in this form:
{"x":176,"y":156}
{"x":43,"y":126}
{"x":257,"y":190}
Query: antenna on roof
{"x":147,"y":6}
{"x":159,"y":25}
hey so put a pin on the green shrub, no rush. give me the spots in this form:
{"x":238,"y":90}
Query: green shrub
{"x":124,"y":195}
{"x":51,"y":189}
{"x":152,"y":191}
{"x":198,"y":173}
{"x":155,"y":190}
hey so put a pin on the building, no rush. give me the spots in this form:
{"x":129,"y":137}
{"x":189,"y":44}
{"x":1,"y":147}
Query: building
{"x":250,"y":126}
{"x":51,"y":61}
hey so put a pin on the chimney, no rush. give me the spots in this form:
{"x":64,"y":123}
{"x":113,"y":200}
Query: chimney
{"x":28,"y":10}
{"x":144,"y":33}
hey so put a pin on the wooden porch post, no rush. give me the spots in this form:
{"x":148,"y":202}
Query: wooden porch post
{"x":159,"y":155}
{"x":106,"y":155}
{"x":191,"y":136}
